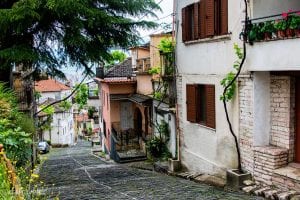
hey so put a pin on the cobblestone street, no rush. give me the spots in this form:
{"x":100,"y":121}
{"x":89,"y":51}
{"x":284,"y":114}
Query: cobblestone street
{"x":74,"y":173}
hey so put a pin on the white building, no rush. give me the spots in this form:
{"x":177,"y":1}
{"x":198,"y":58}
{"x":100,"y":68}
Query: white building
{"x":61,"y":130}
{"x":206,"y":33}
{"x":265,"y":110}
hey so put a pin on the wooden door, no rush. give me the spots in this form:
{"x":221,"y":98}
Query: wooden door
{"x":297,"y":113}
{"x":126,"y":115}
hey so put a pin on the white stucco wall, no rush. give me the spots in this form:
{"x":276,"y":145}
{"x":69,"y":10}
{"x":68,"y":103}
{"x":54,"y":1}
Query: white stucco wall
{"x":170,"y":119}
{"x":207,"y":61}
{"x":62,"y":130}
{"x":62,"y":126}
{"x":53,"y":95}
{"x":263,"y":8}
{"x":280,"y":55}
{"x":261,"y":112}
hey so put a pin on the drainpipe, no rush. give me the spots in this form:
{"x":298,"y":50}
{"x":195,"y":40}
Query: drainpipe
{"x":175,"y":75}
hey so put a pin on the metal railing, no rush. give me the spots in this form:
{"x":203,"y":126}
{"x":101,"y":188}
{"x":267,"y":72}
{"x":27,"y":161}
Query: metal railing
{"x":273,"y":27}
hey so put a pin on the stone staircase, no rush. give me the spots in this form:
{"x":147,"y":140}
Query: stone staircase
{"x":130,"y":156}
{"x":270,"y":192}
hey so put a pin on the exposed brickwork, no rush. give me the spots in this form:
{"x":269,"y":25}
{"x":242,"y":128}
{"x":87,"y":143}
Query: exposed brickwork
{"x":267,"y":159}
{"x":246,"y":122}
{"x":282,"y":113}
{"x":284,"y":182}
{"x":264,"y":162}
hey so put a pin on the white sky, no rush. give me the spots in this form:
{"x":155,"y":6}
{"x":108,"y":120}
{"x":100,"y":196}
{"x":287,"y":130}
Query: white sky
{"x":167,"y":10}
{"x":165,"y":13}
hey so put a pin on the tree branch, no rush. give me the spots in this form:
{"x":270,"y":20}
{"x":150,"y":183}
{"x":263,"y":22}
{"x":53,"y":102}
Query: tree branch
{"x":70,"y":95}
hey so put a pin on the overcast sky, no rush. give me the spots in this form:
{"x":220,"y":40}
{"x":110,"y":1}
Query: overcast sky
{"x":164,"y":17}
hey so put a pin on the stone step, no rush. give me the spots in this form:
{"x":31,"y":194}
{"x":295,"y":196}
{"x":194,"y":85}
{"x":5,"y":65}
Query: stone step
{"x":248,"y":182}
{"x":259,"y":192}
{"x":296,"y":197}
{"x":285,"y":195}
{"x":249,"y":189}
{"x":270,"y":194}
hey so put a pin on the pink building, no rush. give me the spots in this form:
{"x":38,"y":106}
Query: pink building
{"x":124,"y":114}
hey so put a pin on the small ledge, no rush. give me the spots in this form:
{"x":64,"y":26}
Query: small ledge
{"x":290,"y":172}
{"x":271,"y":150}
{"x":211,"y":39}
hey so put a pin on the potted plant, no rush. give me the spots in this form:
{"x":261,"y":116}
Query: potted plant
{"x":255,"y":33}
{"x":294,"y":24}
{"x":280,"y":26}
{"x":268,"y":29}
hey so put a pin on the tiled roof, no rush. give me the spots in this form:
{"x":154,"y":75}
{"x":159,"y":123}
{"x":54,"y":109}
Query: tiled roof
{"x":123,"y":69}
{"x":118,"y":80}
{"x":50,"y":85}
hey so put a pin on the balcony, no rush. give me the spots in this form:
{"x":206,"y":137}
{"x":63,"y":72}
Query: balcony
{"x":274,"y":42}
{"x":167,"y":65}
{"x":143,"y":65}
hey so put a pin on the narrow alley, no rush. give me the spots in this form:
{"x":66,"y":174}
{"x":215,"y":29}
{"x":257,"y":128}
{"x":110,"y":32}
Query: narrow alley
{"x":74,"y":173}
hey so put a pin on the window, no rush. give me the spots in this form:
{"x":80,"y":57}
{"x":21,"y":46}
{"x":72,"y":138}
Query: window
{"x":200,"y":100}
{"x":204,"y":19}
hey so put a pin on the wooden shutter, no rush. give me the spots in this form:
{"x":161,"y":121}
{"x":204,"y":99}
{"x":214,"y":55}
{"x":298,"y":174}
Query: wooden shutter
{"x":196,"y":21}
{"x":210,"y":18}
{"x":224,"y":17}
{"x":183,"y":23}
{"x":202,"y":16}
{"x":210,"y":106}
{"x":191,"y":102}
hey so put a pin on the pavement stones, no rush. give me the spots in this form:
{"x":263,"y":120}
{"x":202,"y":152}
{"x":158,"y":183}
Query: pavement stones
{"x":74,"y":173}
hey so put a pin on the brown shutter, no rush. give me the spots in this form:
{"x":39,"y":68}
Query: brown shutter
{"x":210,"y":17}
{"x":191,"y":102}
{"x":184,"y":25}
{"x":224,"y":17}
{"x":202,"y":16}
{"x":196,"y":22}
{"x":210,"y":106}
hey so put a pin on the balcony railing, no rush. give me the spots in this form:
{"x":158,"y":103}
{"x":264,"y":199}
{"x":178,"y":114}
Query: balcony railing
{"x":274,"y":27}
{"x":143,"y":65}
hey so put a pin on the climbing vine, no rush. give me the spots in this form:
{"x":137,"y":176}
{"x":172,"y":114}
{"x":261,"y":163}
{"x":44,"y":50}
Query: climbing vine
{"x":229,"y":94}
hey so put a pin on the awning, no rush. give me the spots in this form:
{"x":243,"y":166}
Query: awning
{"x":141,"y":99}
{"x":136,"y":98}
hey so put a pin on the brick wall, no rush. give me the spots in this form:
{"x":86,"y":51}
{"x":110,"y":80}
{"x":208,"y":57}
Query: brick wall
{"x":282,"y":113}
{"x":245,"y":85}
{"x":266,"y":160}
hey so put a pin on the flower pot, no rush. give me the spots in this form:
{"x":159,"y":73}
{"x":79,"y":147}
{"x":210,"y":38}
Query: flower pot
{"x":235,"y":179}
{"x":297,"y":32}
{"x":290,"y":32}
{"x":281,"y":34}
{"x":268,"y":36}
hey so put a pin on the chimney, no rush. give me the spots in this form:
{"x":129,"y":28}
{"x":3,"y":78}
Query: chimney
{"x":100,"y":71}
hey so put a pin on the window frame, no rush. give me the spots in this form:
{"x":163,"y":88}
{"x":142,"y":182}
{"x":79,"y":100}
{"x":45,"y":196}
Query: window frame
{"x":201,"y":104}
{"x":204,"y":19}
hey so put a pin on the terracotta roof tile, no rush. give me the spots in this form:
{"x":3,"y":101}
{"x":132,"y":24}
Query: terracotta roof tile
{"x":123,"y":69}
{"x":50,"y":85}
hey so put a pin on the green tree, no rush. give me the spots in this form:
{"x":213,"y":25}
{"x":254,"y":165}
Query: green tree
{"x":48,"y":34}
{"x":82,"y":95}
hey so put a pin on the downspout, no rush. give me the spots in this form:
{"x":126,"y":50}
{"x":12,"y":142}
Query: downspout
{"x":175,"y":82}
{"x":244,"y":38}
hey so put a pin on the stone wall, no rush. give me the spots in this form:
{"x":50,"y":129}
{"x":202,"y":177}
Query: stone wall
{"x":245,"y":85}
{"x":282,"y":113}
